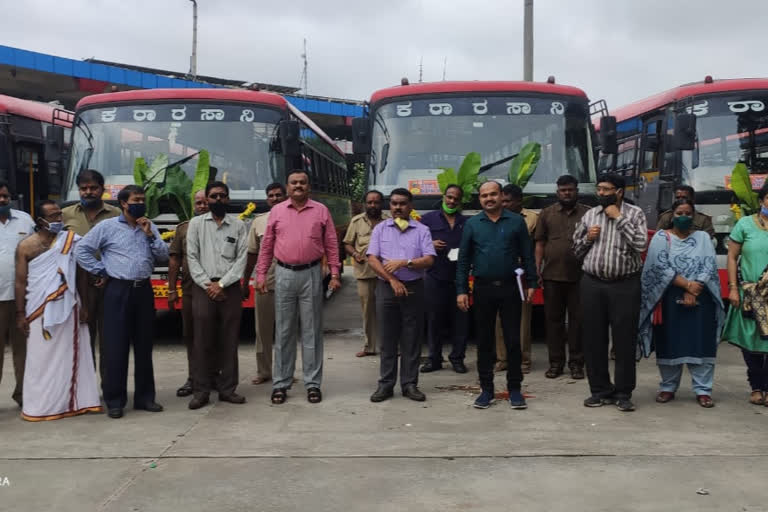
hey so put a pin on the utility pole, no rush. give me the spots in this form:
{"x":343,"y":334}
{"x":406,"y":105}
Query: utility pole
{"x":528,"y":42}
{"x":193,"y":58}
{"x":304,"y":73}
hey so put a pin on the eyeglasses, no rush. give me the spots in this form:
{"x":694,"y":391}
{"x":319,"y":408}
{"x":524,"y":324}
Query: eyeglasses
{"x":216,"y":197}
{"x":605,"y":189}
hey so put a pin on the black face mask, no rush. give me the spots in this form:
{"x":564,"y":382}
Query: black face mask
{"x":373,"y":213}
{"x":218,"y":209}
{"x":606,"y":201}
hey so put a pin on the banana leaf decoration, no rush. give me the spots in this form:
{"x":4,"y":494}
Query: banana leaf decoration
{"x":466,"y":178}
{"x":161,"y":181}
{"x":742,"y":188}
{"x":524,"y":164}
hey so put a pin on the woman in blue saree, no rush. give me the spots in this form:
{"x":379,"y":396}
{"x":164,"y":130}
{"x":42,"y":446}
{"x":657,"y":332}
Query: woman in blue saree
{"x":681,"y":312}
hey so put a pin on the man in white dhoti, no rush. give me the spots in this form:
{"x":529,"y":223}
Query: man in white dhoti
{"x":59,"y":378}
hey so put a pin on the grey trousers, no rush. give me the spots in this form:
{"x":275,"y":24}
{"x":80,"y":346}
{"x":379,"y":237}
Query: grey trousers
{"x":298,"y":302}
{"x":264,"y":315}
{"x":401,"y":327}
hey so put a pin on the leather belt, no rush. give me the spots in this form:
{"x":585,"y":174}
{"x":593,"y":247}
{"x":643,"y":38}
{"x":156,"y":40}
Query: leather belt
{"x":133,"y":283}
{"x":298,"y":267}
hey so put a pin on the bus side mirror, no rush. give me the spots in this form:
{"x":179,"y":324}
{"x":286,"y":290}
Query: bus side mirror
{"x":608,"y":142}
{"x":684,"y":137}
{"x":290,"y":143}
{"x":361,"y":136}
{"x":54,"y":143}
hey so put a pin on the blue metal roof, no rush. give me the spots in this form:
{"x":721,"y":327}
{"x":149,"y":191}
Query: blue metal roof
{"x":116,"y":75}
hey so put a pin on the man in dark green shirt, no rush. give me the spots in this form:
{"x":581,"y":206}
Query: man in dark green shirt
{"x":493,"y":243}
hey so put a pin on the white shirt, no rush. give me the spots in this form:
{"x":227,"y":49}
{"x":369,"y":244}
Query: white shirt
{"x":16,"y":228}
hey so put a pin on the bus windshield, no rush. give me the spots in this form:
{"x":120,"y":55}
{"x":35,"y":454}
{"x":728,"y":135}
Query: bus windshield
{"x":728,"y":130}
{"x":413,"y":139}
{"x":239,"y":138}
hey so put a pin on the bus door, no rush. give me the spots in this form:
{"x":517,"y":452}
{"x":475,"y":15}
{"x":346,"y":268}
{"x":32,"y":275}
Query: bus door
{"x":646,"y":194}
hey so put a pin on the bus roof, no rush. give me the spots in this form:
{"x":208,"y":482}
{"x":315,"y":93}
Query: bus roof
{"x":33,"y":110}
{"x":266,"y":98}
{"x":474,"y":86}
{"x":684,"y":91}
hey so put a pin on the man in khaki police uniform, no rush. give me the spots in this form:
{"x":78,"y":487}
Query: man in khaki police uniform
{"x":356,"y":245}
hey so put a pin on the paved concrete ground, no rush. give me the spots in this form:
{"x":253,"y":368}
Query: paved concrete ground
{"x":349,"y":454}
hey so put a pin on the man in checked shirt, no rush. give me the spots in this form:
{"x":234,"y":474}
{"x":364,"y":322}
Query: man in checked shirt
{"x":610,"y":239}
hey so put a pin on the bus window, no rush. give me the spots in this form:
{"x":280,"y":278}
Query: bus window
{"x":651,"y":146}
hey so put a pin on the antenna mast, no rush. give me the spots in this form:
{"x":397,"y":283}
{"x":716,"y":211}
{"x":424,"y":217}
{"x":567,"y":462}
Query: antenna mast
{"x":445,"y":65}
{"x":421,"y":69}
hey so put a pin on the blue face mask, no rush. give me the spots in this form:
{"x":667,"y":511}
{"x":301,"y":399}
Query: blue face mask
{"x":5,"y":210}
{"x":764,"y":210}
{"x":55,"y":227}
{"x":136,"y":210}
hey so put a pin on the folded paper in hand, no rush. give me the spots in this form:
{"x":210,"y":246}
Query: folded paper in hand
{"x":520,"y":273}
{"x":453,"y":254}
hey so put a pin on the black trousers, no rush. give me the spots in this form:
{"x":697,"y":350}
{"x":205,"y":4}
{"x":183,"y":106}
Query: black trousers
{"x":560,"y":296}
{"x":217,"y":329}
{"x":445,"y":322}
{"x":489,"y":300}
{"x":614,"y":304}
{"x":129,"y":316}
{"x":401,"y":325}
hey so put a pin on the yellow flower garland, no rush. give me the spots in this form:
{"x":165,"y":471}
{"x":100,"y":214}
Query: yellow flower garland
{"x":248,"y":211}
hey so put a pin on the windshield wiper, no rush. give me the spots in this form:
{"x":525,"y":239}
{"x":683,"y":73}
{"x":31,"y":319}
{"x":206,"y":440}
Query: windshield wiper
{"x":88,"y":154}
{"x":489,"y":166}
{"x":181,"y":161}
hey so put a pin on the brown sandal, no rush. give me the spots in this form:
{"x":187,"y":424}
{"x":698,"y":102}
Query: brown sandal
{"x":757,"y":398}
{"x":705,"y":401}
{"x":663,"y":397}
{"x":553,"y":372}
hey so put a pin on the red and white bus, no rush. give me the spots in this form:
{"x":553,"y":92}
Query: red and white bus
{"x":32,"y":148}
{"x":720,"y":123}
{"x":252,"y":137}
{"x":413,"y":130}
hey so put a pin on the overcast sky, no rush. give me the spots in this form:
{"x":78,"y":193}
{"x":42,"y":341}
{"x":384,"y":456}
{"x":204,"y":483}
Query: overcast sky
{"x":619,"y":50}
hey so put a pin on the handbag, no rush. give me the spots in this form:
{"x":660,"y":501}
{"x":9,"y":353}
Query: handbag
{"x":656,"y":316}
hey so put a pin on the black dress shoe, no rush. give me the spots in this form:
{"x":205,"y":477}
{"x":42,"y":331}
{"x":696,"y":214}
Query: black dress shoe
{"x":381,"y":394}
{"x":430,"y":366}
{"x":150,"y":407}
{"x":115,"y":413}
{"x":234,"y":398}
{"x":412,"y":392}
{"x":186,"y":389}
{"x":459,"y":367}
{"x":199,"y":400}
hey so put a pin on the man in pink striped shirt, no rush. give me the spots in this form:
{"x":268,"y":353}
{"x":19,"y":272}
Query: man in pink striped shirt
{"x":299,"y":233}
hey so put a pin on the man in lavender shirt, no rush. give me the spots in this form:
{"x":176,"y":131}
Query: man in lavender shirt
{"x":399,"y":252}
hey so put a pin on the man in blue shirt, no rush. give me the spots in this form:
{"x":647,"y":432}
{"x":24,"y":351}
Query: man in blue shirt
{"x":494,"y":242}
{"x":444,"y":320}
{"x":130,"y":245}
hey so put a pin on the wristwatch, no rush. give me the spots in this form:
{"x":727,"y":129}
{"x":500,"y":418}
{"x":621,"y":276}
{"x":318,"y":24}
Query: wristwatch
{"x":410,"y":263}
